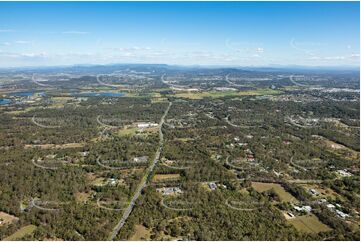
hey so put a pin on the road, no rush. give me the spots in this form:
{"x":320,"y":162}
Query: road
{"x":232,"y":83}
{"x":106,"y":84}
{"x":239,"y":126}
{"x":38,"y":83}
{"x":296,"y":83}
{"x":144,"y":180}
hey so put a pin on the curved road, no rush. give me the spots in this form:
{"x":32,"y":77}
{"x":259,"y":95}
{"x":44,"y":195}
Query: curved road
{"x":144,"y":180}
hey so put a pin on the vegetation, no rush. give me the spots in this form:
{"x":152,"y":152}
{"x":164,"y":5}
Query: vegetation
{"x":241,"y":158}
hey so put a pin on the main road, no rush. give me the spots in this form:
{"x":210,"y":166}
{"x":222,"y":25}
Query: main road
{"x":144,"y":180}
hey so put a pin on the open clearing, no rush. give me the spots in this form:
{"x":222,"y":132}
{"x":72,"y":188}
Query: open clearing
{"x":162,"y":177}
{"x":6,"y":218}
{"x":214,"y":94}
{"x":284,"y":196}
{"x":309,"y":224}
{"x":337,"y":149}
{"x":324,"y":192}
{"x":82,"y":197}
{"x":140,"y":233}
{"x":54,"y":146}
{"x":184,"y":139}
{"x":29,"y":229}
{"x":99,"y":181}
{"x":127,"y":131}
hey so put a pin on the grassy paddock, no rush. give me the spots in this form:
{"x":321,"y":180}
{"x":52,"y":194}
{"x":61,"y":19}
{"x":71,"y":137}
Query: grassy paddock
{"x":140,"y":233}
{"x":282,"y":193}
{"x":309,"y":224}
{"x":162,"y":177}
{"x":214,"y":94}
{"x":29,"y":229}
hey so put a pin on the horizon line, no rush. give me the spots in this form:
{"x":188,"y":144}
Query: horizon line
{"x":191,"y":65}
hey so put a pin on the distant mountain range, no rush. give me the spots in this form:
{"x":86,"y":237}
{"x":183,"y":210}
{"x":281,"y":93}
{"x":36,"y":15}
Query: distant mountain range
{"x":96,"y":68}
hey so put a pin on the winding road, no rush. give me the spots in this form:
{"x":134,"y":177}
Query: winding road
{"x":144,"y":180}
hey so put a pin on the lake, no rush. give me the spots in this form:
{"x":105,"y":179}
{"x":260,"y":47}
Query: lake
{"x":99,"y":94}
{"x":5,"y":101}
{"x":21,"y":94}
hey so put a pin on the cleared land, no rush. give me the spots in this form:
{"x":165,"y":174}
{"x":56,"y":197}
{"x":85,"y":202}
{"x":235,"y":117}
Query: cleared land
{"x":284,"y":196}
{"x":214,"y":94}
{"x":309,"y":224}
{"x":82,"y":197}
{"x":324,"y":192}
{"x":162,"y":177}
{"x":6,"y":218}
{"x":29,"y":229}
{"x":140,"y":233}
{"x":337,"y":149}
{"x":129,"y":131}
{"x":54,"y":146}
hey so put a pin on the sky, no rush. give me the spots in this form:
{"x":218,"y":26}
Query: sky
{"x":182,"y":33}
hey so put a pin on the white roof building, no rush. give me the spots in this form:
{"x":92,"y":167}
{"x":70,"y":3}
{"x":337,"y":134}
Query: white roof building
{"x":342,"y":214}
{"x":212,"y":186}
{"x":330,"y":206}
{"x":344,"y":173}
{"x":303,"y":208}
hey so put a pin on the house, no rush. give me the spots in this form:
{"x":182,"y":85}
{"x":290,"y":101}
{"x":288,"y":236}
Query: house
{"x":169,"y":190}
{"x":146,"y":125}
{"x":250,"y":157}
{"x":242,"y":144}
{"x":313,"y":192}
{"x":342,"y":214}
{"x":112,"y":181}
{"x":344,"y":173}
{"x":85,"y":153}
{"x":321,"y":201}
{"x":248,"y":151}
{"x":303,"y":209}
{"x":212,"y":186}
{"x":307,"y":209}
{"x":140,"y":159}
{"x":330,"y":206}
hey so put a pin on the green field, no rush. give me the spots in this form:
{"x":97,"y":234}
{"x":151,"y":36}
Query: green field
{"x":214,"y":94}
{"x":29,"y":229}
{"x":284,"y":196}
{"x":309,"y":224}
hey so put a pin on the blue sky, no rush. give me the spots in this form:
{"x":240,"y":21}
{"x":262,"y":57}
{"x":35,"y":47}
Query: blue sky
{"x":186,"y":33}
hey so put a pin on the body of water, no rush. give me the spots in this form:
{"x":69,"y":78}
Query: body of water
{"x":99,"y":94}
{"x":21,"y":94}
{"x":5,"y":101}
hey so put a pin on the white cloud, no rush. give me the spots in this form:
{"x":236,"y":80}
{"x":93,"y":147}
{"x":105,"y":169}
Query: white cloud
{"x":7,"y":30}
{"x":259,"y":50}
{"x":34,"y":55}
{"x":21,"y":42}
{"x":335,"y":58}
{"x":129,"y":49}
{"x":22,"y":55}
{"x":6,"y":43}
{"x":74,"y":32}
